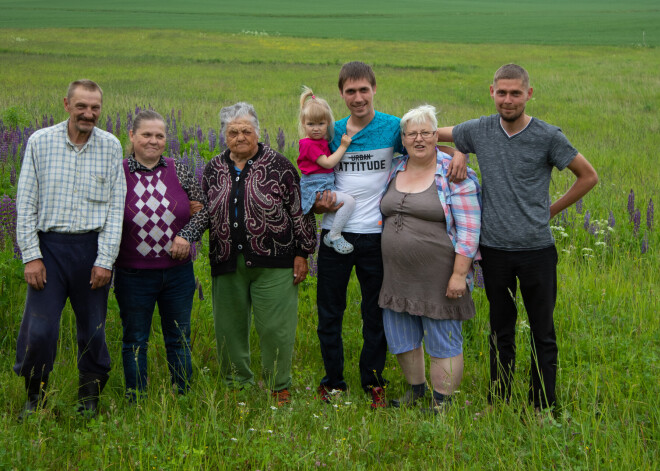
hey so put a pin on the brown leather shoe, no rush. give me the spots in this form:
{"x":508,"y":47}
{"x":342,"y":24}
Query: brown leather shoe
{"x":282,"y":397}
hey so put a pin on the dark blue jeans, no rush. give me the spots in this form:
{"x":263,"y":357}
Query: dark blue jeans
{"x":334,"y":272}
{"x":536,"y":270}
{"x":68,"y":259}
{"x":137,"y":292}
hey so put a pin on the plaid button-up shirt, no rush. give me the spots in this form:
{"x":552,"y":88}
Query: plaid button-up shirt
{"x":69,"y":190}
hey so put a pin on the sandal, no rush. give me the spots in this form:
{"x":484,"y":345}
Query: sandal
{"x":340,"y":245}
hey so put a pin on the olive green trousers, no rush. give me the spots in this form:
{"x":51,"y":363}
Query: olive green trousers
{"x":270,"y":295}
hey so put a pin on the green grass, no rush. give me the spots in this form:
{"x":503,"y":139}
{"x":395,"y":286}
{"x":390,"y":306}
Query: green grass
{"x":605,"y":99}
{"x":583,"y":22}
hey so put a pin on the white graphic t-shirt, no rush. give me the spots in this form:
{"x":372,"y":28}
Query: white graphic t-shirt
{"x":362,"y":172}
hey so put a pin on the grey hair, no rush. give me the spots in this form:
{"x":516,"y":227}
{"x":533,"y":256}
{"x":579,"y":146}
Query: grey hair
{"x":237,"y":111}
{"x":420,"y":115}
{"x":86,"y":84}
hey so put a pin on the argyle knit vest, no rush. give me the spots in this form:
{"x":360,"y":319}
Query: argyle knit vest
{"x":156,"y":209}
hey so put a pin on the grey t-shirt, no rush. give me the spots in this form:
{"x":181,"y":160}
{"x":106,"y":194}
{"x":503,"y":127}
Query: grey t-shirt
{"x":515,"y":176}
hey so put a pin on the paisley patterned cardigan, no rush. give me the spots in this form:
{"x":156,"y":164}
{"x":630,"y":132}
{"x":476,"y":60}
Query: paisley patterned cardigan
{"x":256,"y":212}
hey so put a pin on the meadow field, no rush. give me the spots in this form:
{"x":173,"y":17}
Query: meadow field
{"x":606,"y":99}
{"x":593,"y":22}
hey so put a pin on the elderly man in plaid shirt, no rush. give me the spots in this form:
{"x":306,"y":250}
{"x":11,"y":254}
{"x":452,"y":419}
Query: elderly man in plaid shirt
{"x":70,"y":203}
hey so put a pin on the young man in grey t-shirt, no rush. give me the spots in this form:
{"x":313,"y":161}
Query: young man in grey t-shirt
{"x":516,"y":154}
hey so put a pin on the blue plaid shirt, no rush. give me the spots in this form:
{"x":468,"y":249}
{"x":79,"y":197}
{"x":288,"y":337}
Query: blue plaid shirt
{"x":63,"y":189}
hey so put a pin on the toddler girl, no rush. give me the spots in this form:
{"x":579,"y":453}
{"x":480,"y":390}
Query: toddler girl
{"x":316,"y":163}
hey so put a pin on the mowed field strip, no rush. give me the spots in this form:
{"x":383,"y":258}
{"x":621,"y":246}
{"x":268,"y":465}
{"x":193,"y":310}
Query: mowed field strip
{"x":506,"y":22}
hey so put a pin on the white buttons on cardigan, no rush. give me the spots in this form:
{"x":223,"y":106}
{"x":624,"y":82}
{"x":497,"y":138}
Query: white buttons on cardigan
{"x":249,"y":162}
{"x":238,"y":178}
{"x":235,"y":224}
{"x":248,"y":263}
{"x":240,"y":247}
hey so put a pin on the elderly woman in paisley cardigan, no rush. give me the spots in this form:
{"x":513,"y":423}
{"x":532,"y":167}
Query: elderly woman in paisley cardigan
{"x":259,"y":243}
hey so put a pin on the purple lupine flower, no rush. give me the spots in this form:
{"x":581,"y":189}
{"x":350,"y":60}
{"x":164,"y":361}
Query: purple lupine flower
{"x":44,"y":121}
{"x":478,"y":275}
{"x":645,"y":243}
{"x":193,"y":251}
{"x":587,"y":219}
{"x":129,"y":121}
{"x":179,"y":113}
{"x":52,"y":120}
{"x":15,"y":136}
{"x":184,"y":159}
{"x":168,"y":122}
{"x":175,"y":130}
{"x":4,"y":146}
{"x":266,"y":138}
{"x":118,"y":125}
{"x":280,"y":140}
{"x":564,"y":217}
{"x":212,"y":139}
{"x":313,"y":265}
{"x":222,"y":142}
{"x":174,"y":146}
{"x":27,"y":132}
{"x":137,"y":110}
{"x":610,"y":220}
{"x":8,"y":222}
{"x":199,"y":168}
{"x":5,"y":219}
{"x":631,"y":204}
{"x":108,"y":124}
{"x":200,"y":292}
{"x":649,"y":215}
{"x":200,"y":134}
{"x":593,"y":228}
{"x":578,"y":206}
{"x":12,"y":176}
{"x":186,"y":136}
{"x":636,"y":219}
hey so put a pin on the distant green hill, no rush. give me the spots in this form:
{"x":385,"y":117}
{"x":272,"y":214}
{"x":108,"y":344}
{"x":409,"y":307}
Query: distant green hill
{"x":583,"y":22}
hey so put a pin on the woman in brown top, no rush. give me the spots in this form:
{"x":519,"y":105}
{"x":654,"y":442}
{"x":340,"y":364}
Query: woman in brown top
{"x":430,"y":236}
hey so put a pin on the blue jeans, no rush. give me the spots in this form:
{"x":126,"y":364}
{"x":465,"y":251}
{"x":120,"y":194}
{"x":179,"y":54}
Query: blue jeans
{"x":137,"y":292}
{"x":334,"y":272}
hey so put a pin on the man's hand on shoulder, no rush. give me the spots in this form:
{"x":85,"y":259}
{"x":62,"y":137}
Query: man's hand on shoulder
{"x":457,"y":171}
{"x":100,"y":277}
{"x":35,"y":274}
{"x":326,"y":202}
